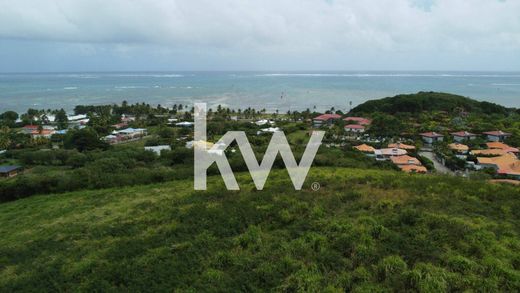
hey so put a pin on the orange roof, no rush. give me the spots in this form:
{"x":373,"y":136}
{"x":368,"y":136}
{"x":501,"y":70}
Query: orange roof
{"x":509,"y":181}
{"x":42,"y":132}
{"x":489,"y":152}
{"x":354,"y":126}
{"x":413,"y":169}
{"x":405,"y":160}
{"x":501,"y":146}
{"x":497,"y":133}
{"x":402,"y":146}
{"x":365,"y":148}
{"x":507,"y":164}
{"x":391,"y":152}
{"x":458,"y":147}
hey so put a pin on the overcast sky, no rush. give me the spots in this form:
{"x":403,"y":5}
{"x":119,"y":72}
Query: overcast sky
{"x":112,"y":35}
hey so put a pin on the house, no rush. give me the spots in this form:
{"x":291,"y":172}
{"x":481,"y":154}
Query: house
{"x":432,"y":137}
{"x":366,"y":149}
{"x":402,"y":146}
{"x":157,"y":149}
{"x":358,"y":120}
{"x":502,"y":146}
{"x":408,"y":164}
{"x":211,"y":148}
{"x":111,"y":139}
{"x":489,"y":152}
{"x":184,"y":124}
{"x":355,"y":128}
{"x":385,"y":154}
{"x":405,"y":160}
{"x":120,"y":125}
{"x":507,"y":164}
{"x":263,"y":122}
{"x":325,"y":119}
{"x":130,"y":133}
{"x":497,"y":135}
{"x":10,"y":171}
{"x":413,"y":169}
{"x":43,"y":133}
{"x":462,"y":136}
{"x":459,"y":148}
{"x":268,"y":130}
{"x":127,"y":118}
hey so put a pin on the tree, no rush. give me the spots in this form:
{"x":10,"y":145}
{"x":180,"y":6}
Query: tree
{"x":8,"y":118}
{"x":61,"y":119}
{"x":85,"y":139}
{"x":5,"y":137}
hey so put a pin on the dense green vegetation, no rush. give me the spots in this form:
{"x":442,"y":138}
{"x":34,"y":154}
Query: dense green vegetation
{"x":428,"y":102}
{"x":362,"y":231}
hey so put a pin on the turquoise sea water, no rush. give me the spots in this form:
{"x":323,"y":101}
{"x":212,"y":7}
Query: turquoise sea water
{"x":270,"y":90}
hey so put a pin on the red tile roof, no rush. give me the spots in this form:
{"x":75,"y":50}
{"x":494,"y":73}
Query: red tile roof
{"x":432,"y":134}
{"x":463,"y":134}
{"x":405,"y":160}
{"x":359,"y":120}
{"x":326,"y":117}
{"x":354,"y":126}
{"x":497,"y":133}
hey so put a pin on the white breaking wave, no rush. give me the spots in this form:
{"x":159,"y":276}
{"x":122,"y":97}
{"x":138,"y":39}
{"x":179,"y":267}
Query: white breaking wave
{"x":380,"y":75}
{"x":70,"y":88}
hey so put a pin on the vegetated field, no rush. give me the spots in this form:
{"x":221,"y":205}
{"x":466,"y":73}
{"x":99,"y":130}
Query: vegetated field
{"x":363,"y":230}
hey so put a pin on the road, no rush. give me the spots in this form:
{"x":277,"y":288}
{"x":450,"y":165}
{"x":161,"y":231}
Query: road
{"x":438,"y":165}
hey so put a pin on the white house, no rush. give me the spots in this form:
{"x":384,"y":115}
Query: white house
{"x":157,"y":149}
{"x":432,"y":137}
{"x":497,"y":135}
{"x":462,"y":136}
{"x":356,"y":128}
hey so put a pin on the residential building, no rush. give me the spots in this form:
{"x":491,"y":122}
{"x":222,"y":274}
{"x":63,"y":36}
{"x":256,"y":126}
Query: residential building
{"x":157,"y":149}
{"x":355,"y":128}
{"x":462,"y":136}
{"x":497,"y":135}
{"x":385,"y":154}
{"x":502,"y":146}
{"x":402,"y":146}
{"x":358,"y":120}
{"x":10,"y":171}
{"x":459,"y":148}
{"x":507,"y":164}
{"x":432,"y":137}
{"x":325,"y":120}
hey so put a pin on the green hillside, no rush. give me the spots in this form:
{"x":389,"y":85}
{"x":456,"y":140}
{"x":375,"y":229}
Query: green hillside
{"x":428,"y":101}
{"x":362,"y":231}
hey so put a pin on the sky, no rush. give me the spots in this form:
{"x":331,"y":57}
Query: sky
{"x":178,"y":35}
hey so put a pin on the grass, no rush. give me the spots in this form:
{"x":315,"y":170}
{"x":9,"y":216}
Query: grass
{"x":364,"y":230}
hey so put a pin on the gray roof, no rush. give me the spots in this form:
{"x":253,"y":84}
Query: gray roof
{"x":7,"y":169}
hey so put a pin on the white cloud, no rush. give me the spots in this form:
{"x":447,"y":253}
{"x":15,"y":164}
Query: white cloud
{"x":264,"y":27}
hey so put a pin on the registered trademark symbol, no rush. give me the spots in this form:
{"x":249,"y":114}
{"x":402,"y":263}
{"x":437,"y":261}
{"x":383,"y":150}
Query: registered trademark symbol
{"x":315,"y":186}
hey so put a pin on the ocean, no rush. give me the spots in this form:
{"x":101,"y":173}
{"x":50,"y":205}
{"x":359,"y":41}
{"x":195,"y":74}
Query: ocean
{"x":270,"y":90}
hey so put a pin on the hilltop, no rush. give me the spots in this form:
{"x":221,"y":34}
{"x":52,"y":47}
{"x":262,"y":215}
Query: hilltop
{"x":428,"y":101}
{"x":366,"y":230}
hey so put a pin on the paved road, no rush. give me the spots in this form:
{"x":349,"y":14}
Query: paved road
{"x":438,"y":165}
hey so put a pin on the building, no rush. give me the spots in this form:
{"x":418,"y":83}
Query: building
{"x":358,"y":120}
{"x":366,"y":149}
{"x":462,"y":136}
{"x":268,"y":130}
{"x":355,"y":128}
{"x":408,"y":164}
{"x":413,"y":169}
{"x":10,"y":171}
{"x":130,"y":133}
{"x":157,"y":149}
{"x":432,"y":137}
{"x":402,"y":146}
{"x":325,"y":119}
{"x":387,"y":153}
{"x":507,"y":164}
{"x":459,"y":148}
{"x":184,"y":124}
{"x":497,"y":135}
{"x":502,"y":146}
{"x":489,"y":152}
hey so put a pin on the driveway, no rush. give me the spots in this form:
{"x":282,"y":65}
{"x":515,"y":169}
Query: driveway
{"x":438,"y":165}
